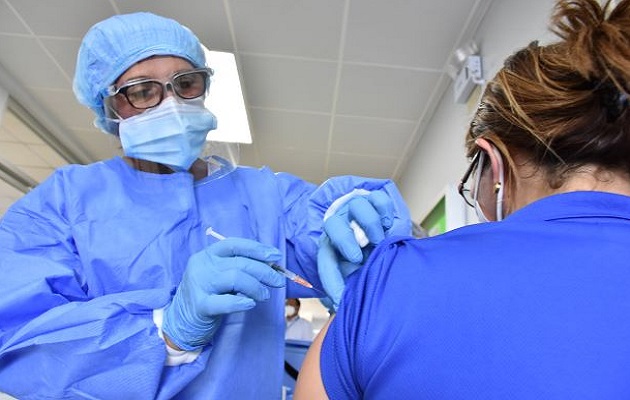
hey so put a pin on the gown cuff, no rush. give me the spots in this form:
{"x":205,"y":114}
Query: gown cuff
{"x":173,"y":357}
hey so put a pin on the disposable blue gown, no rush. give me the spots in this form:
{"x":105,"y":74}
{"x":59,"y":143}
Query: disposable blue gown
{"x":88,"y":255}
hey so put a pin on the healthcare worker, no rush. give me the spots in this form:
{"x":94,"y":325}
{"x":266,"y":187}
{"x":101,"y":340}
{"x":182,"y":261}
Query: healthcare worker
{"x":116,"y":283}
{"x":535,"y":304}
{"x":297,"y":327}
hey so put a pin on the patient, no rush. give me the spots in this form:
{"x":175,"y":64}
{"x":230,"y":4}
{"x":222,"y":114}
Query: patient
{"x":533,"y":304}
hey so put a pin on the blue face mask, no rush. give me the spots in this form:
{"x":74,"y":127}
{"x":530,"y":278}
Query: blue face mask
{"x":172,"y":133}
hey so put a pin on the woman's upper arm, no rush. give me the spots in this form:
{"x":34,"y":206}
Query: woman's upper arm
{"x":309,"y":384}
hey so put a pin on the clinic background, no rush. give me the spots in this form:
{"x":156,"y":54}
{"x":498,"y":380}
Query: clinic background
{"x":331,"y":87}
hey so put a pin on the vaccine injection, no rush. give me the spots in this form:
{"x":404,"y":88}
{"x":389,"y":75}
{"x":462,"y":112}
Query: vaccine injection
{"x":283,"y":271}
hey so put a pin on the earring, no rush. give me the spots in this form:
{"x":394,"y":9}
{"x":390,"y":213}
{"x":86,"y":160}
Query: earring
{"x":497,"y":187}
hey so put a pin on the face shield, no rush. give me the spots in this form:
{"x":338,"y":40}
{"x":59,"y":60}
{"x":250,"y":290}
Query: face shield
{"x":221,"y":158}
{"x":166,"y":108}
{"x":115,"y":44}
{"x":138,"y":95}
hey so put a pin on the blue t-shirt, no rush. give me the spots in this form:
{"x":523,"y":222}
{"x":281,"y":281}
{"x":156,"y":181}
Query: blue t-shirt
{"x":534,"y":307}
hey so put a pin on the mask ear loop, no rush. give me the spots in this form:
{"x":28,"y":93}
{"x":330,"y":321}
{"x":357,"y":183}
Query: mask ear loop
{"x":498,"y":187}
{"x":114,"y":116}
{"x":480,"y":214}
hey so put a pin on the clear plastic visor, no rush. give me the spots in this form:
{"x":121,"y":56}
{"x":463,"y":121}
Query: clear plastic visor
{"x":138,"y":95}
{"x":221,"y":158}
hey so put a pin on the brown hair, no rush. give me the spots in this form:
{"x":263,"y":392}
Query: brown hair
{"x":565,"y":105}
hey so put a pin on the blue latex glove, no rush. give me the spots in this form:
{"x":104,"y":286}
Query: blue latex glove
{"x":226,"y":277}
{"x":339,"y":252}
{"x":333,"y":271}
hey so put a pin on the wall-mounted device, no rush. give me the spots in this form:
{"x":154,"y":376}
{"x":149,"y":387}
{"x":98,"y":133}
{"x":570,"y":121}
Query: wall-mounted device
{"x":467,"y":78}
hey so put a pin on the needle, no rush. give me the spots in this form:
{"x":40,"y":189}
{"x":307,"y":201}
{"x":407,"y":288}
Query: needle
{"x":283,"y":271}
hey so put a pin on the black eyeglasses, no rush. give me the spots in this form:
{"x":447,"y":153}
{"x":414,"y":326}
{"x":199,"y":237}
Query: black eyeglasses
{"x":148,"y":93}
{"x":463,"y":190}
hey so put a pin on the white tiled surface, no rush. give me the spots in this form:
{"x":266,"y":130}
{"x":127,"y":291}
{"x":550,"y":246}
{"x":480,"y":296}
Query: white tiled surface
{"x":331,"y":78}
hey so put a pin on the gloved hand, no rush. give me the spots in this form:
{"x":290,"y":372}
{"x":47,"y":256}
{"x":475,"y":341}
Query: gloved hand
{"x":339,"y":252}
{"x":227,"y":276}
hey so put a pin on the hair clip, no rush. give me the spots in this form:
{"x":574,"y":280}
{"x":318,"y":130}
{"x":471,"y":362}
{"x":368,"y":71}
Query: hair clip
{"x":615,"y":101}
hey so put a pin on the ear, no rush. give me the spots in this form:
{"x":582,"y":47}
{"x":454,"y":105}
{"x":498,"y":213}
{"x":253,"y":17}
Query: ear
{"x":496,"y":161}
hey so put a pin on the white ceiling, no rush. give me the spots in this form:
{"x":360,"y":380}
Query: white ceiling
{"x":331,"y":86}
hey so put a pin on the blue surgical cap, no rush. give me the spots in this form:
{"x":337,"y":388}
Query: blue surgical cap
{"x":112,"y":46}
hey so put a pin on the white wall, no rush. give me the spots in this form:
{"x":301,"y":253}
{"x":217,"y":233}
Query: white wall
{"x":439,"y":159}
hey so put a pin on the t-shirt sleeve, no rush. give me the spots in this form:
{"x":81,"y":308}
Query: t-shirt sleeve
{"x":346,"y":361}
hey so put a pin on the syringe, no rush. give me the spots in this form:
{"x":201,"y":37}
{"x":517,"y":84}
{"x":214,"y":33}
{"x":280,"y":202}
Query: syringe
{"x":283,"y":271}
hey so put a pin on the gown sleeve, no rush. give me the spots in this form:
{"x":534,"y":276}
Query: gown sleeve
{"x":56,"y":339}
{"x":302,"y":199}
